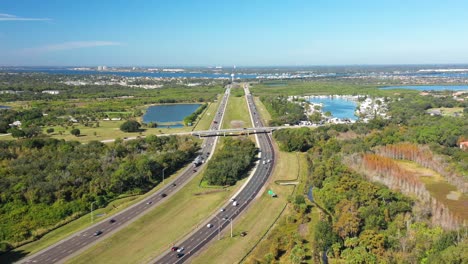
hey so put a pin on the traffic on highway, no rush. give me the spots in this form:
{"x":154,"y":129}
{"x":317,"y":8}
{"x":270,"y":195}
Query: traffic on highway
{"x":81,"y":240}
{"x":224,"y":217}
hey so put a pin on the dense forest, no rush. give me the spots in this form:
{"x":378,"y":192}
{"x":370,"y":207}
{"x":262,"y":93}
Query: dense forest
{"x":46,"y":182}
{"x":231,"y":162}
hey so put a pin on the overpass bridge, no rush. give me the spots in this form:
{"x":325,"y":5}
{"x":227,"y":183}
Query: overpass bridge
{"x":235,"y":131}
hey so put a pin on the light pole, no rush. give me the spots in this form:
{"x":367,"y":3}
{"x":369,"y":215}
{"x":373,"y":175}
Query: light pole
{"x":231,"y":225}
{"x":219,"y":228}
{"x":163,"y":174}
{"x":92,"y":215}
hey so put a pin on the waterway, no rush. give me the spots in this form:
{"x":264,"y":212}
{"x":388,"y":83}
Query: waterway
{"x":340,"y":107}
{"x":171,"y":115}
{"x":4,"y":107}
{"x":429,"y":87}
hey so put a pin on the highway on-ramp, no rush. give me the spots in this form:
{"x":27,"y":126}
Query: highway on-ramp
{"x":82,"y":240}
{"x":200,"y":237}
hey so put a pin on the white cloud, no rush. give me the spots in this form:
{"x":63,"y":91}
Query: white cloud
{"x":70,"y":46}
{"x":8,"y":17}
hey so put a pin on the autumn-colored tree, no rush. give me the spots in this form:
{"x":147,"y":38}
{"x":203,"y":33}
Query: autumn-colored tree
{"x":348,"y":221}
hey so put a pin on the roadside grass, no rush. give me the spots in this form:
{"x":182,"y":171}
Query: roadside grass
{"x":258,"y":218}
{"x":207,"y":116}
{"x":265,"y":115}
{"x":236,"y":110}
{"x":154,"y":233}
{"x":80,"y":224}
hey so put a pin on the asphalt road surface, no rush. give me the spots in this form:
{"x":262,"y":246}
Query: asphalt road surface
{"x":199,"y":238}
{"x":78,"y":242}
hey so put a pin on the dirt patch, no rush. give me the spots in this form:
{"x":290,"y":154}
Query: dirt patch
{"x":209,"y":192}
{"x":454,"y":196}
{"x":237,"y":124}
{"x":303,"y":230}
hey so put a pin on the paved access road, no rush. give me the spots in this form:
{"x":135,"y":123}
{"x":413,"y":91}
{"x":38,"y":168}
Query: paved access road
{"x":199,"y":238}
{"x":78,"y":242}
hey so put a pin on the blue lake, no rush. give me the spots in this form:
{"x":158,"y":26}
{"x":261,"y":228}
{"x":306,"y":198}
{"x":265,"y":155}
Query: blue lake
{"x":169,"y":115}
{"x":4,"y":107}
{"x":339,"y":107}
{"x":429,"y":87}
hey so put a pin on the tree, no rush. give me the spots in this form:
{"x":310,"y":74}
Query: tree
{"x":50,"y":130}
{"x":348,"y":221}
{"x":16,"y":132}
{"x":76,"y":132}
{"x":130,"y":126}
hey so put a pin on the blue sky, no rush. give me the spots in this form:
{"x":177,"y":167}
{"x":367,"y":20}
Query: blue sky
{"x":241,"y":32}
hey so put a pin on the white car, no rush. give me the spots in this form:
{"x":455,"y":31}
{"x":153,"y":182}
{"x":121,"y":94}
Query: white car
{"x":222,"y":210}
{"x":209,"y":225}
{"x":180,"y":249}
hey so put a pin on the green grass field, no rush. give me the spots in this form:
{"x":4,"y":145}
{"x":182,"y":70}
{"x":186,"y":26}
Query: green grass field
{"x":155,"y":232}
{"x":207,"y":116}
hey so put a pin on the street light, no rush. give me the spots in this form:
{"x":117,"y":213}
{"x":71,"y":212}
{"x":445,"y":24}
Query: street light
{"x":163,"y":174}
{"x":219,"y":228}
{"x":92,"y":215}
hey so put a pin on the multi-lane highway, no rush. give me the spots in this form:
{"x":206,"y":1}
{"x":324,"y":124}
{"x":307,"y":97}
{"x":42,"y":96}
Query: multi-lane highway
{"x":199,"y":238}
{"x":78,"y":242}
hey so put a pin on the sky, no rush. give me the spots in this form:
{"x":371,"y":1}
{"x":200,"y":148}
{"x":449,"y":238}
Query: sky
{"x":240,"y":32}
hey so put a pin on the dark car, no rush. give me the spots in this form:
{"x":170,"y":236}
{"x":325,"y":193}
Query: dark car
{"x":97,"y":233}
{"x":112,"y":221}
{"x":180,"y":255}
{"x":163,"y":195}
{"x":174,"y":184}
{"x":174,"y":248}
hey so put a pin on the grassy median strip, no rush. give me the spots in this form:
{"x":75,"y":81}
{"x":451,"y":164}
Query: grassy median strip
{"x":258,"y":218}
{"x":237,"y":114}
{"x":154,"y":233}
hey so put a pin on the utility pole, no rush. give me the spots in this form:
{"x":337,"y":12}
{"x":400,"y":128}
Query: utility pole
{"x":163,"y":175}
{"x":92,"y":215}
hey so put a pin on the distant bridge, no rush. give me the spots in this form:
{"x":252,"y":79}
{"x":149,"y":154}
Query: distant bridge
{"x":234,"y":131}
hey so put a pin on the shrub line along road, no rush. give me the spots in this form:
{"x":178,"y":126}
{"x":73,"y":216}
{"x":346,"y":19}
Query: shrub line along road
{"x":81,"y":240}
{"x":220,"y":220}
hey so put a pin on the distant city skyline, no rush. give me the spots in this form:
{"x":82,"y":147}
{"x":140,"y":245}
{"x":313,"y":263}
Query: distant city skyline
{"x":243,"y":33}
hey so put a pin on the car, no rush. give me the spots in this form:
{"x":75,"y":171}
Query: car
{"x":97,"y":233}
{"x":235,"y":203}
{"x":209,"y":225}
{"x":174,"y":184}
{"x":243,"y":234}
{"x":224,"y":218}
{"x":149,"y":202}
{"x":194,"y":170}
{"x":174,"y":248}
{"x":163,"y":195}
{"x":180,"y":255}
{"x":222,"y":210}
{"x":180,"y":249}
{"x":112,"y":221}
{"x":233,"y":199}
